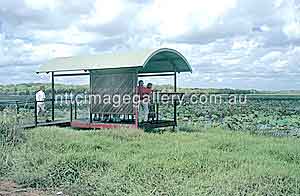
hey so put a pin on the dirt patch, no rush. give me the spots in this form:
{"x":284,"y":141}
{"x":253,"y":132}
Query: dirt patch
{"x":9,"y":188}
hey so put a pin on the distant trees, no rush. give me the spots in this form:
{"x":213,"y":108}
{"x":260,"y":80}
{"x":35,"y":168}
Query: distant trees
{"x":31,"y":88}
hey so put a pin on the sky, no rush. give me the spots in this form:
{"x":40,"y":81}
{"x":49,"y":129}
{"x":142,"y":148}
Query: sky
{"x":245,"y":44}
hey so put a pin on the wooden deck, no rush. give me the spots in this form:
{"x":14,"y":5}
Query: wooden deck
{"x":157,"y":124}
{"x":85,"y":124}
{"x":81,"y":124}
{"x":60,"y":123}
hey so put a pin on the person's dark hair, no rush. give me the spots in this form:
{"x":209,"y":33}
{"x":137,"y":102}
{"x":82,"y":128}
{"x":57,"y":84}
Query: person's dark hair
{"x":140,"y":82}
{"x":149,"y":85}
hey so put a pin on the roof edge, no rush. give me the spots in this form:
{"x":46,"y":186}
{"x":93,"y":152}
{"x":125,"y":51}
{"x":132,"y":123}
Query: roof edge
{"x":157,"y":51}
{"x":149,"y":54}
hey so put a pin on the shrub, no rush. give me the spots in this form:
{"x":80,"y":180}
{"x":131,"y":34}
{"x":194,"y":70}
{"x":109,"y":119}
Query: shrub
{"x":10,"y":132}
{"x":10,"y":135}
{"x":123,"y":133}
{"x":191,"y":127}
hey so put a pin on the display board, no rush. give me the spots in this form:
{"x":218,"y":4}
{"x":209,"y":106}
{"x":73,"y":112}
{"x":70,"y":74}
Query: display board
{"x":112,"y":92}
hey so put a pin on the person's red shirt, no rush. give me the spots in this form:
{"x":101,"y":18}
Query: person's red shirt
{"x":141,"y":90}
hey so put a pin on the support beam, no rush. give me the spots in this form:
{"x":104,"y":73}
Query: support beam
{"x":74,"y":74}
{"x":90,"y":101}
{"x":175,"y":90}
{"x":35,"y":113}
{"x":175,"y":101}
{"x":157,"y":111}
{"x":151,"y":75}
{"x":17,"y":112}
{"x":71,"y":111}
{"x":75,"y":108}
{"x":166,"y":58}
{"x":53,"y":95}
{"x":135,"y":108}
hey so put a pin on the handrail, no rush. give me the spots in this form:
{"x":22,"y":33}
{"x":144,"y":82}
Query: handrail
{"x":27,"y":102}
{"x":19,"y":104}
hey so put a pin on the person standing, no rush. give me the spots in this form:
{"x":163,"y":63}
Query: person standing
{"x":144,"y":94}
{"x":40,"y":99}
{"x":151,"y":105}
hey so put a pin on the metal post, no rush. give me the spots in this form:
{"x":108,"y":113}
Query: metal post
{"x":136,"y":117}
{"x":136,"y":108}
{"x":90,"y":100}
{"x":175,"y":101}
{"x":71,"y":111}
{"x":35,"y":113}
{"x":17,"y":111}
{"x":75,"y":108}
{"x":17,"y":107}
{"x":53,"y":95}
{"x":156,"y":101}
{"x":157,"y":111}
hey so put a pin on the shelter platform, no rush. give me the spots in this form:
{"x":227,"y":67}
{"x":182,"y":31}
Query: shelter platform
{"x":116,"y":74}
{"x":60,"y":123}
{"x":85,"y":124}
{"x":157,"y":124}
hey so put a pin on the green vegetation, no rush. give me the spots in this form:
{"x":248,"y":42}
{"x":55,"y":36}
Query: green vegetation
{"x":10,"y":134}
{"x":269,"y":114}
{"x":130,"y":162}
{"x":10,"y":137}
{"x":202,"y":158}
{"x":277,"y":115}
{"x":31,"y":88}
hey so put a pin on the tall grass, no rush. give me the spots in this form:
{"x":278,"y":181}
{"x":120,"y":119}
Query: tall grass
{"x":130,"y":162}
{"x":10,"y":136}
{"x":10,"y":132}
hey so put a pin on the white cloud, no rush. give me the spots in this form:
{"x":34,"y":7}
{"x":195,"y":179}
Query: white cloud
{"x":71,"y":35}
{"x":272,"y":56}
{"x":44,"y":4}
{"x":174,"y":18}
{"x":230,"y":43}
{"x":292,"y":30}
{"x":103,"y":12}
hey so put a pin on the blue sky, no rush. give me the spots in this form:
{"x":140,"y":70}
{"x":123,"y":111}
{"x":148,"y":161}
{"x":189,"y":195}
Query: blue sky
{"x":229,"y":43}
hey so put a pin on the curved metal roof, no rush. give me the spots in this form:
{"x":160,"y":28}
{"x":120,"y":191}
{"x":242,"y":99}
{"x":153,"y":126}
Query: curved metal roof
{"x":146,"y":61}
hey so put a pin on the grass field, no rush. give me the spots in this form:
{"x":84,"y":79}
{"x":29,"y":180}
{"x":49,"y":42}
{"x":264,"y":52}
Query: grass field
{"x":130,"y":162}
